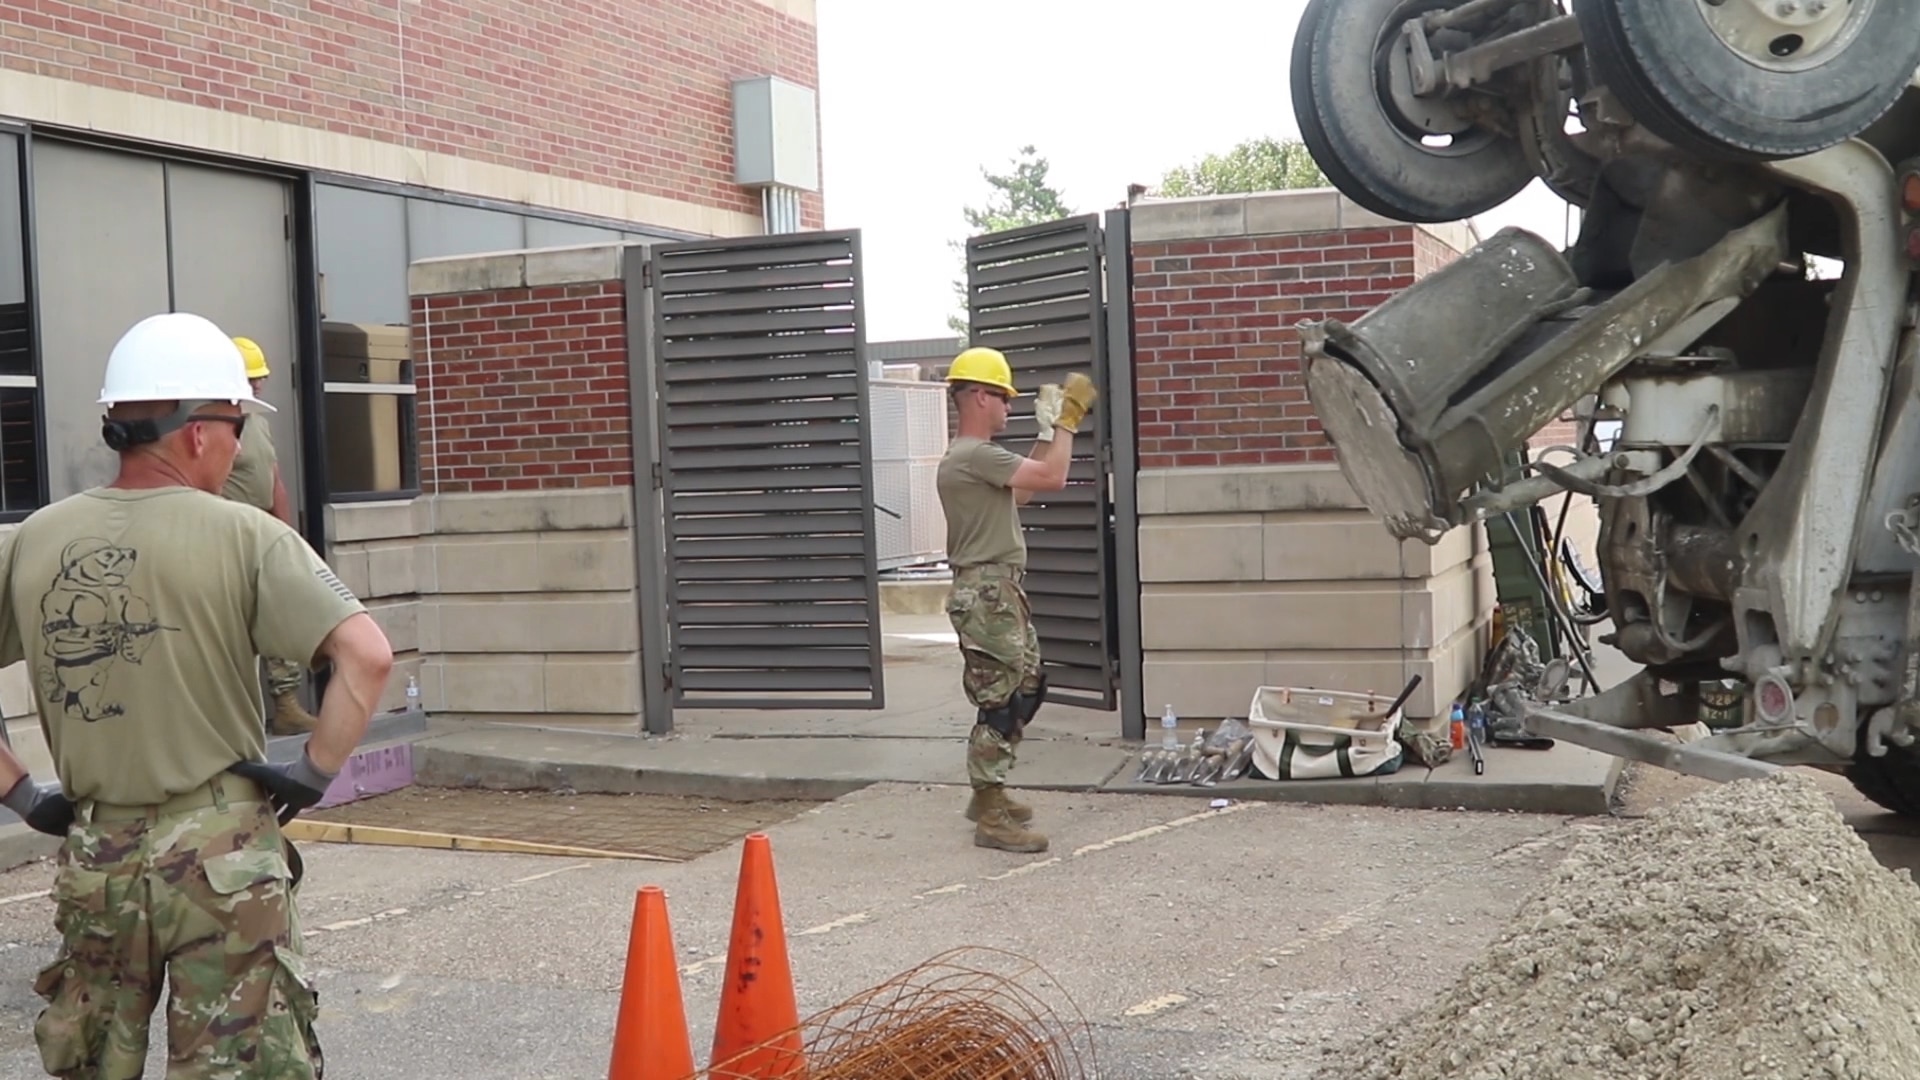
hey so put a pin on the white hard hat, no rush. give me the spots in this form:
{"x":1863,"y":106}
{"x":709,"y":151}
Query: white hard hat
{"x":177,"y":357}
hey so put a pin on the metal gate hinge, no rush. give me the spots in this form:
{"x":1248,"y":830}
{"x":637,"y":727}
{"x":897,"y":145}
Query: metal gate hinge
{"x":666,"y":674}
{"x":646,"y":271}
{"x":659,"y":480}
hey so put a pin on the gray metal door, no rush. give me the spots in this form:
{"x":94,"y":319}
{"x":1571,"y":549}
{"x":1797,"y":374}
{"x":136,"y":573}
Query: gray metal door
{"x":232,"y":255}
{"x":122,"y":236}
{"x":100,"y":219}
{"x":1038,"y":294}
{"x":764,"y":473}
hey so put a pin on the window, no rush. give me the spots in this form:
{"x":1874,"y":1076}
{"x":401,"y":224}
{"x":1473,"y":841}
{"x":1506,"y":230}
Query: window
{"x":366,"y":367}
{"x":369,"y":385}
{"x":19,"y":389}
{"x":366,"y":240}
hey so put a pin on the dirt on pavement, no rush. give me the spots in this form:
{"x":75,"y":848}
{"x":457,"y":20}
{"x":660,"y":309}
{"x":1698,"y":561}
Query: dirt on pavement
{"x":669,"y":826}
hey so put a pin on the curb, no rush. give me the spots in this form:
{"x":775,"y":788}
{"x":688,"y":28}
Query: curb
{"x":437,"y":766}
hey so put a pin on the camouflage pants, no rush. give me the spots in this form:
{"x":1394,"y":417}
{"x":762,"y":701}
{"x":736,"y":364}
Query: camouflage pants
{"x":200,"y":899}
{"x":283,"y":676}
{"x":990,"y":614}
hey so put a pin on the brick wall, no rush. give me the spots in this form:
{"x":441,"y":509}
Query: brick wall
{"x":522,"y":389}
{"x":634,"y":94}
{"x":1218,"y":361}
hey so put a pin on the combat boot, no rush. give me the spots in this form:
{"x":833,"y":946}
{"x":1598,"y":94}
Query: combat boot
{"x":996,"y":829}
{"x":289,"y":718}
{"x":985,"y":799}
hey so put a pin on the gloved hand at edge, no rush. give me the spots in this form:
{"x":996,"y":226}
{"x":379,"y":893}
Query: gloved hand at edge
{"x":292,"y":788}
{"x":1080,"y":394}
{"x":44,"y":807}
{"x":1046,"y":411}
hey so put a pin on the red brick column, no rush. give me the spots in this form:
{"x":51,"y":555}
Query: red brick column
{"x":1217,"y":355}
{"x":523,"y":388}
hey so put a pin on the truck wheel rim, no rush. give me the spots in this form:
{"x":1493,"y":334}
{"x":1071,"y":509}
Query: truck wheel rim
{"x":1437,"y":125}
{"x":1786,"y":35}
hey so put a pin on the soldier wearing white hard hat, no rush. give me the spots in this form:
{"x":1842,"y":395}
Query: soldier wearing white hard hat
{"x":139,"y":608}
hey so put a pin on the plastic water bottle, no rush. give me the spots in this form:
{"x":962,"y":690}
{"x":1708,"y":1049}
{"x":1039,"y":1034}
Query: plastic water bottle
{"x":413,"y":693}
{"x":1169,"y":726}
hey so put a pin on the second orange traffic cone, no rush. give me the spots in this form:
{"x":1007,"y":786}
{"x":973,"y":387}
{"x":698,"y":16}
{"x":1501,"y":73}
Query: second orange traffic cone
{"x":650,"y":1040}
{"x":758,"y":1032}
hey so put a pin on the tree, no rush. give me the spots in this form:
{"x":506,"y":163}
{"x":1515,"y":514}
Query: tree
{"x":1255,"y":165}
{"x":1020,"y":197}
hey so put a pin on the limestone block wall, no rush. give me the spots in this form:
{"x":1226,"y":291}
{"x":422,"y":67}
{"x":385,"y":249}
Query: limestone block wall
{"x":532,"y":613}
{"x":376,"y":551}
{"x":1275,"y":576}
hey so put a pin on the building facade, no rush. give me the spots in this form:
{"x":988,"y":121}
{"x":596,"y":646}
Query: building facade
{"x":279,"y":167}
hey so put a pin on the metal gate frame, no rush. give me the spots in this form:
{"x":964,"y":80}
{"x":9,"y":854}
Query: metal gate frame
{"x":1035,"y":324}
{"x":753,"y":657}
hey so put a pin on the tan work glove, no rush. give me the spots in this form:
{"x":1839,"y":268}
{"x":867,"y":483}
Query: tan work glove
{"x":1080,"y":394}
{"x":1046,"y":410}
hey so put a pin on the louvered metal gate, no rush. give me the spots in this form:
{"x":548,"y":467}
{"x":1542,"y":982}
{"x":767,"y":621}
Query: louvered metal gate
{"x":1039,"y":294}
{"x":764,"y":475}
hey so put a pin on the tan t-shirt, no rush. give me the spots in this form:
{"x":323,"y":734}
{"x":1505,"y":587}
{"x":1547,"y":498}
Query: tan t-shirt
{"x":983,"y":525}
{"x":139,"y":614}
{"x":251,"y":481}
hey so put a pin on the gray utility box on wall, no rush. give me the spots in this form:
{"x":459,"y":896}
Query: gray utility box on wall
{"x":776,"y":134}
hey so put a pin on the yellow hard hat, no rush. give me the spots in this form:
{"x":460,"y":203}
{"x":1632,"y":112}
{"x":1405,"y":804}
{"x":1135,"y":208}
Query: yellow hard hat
{"x":256,"y":360}
{"x":988,"y":366}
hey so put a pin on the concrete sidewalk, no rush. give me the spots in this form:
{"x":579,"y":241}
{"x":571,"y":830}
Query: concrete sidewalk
{"x":920,"y":738}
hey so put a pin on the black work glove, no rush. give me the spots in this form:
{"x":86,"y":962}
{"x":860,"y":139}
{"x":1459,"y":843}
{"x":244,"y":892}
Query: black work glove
{"x":44,"y":807}
{"x":291,"y":788}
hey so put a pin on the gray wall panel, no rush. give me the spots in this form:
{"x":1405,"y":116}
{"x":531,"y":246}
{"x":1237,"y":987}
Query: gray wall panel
{"x":545,"y":232}
{"x":102,"y":230}
{"x":436,"y":229}
{"x":362,"y":249}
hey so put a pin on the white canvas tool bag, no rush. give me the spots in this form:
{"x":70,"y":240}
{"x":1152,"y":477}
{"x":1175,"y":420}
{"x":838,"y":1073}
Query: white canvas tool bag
{"x":1305,"y":734}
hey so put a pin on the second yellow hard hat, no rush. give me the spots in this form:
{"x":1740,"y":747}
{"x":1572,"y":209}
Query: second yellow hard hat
{"x":256,"y":359}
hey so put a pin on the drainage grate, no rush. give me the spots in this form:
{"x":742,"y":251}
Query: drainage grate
{"x":669,"y":826}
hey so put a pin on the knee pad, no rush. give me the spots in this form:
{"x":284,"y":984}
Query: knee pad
{"x":1026,"y":705}
{"x":1003,"y":719}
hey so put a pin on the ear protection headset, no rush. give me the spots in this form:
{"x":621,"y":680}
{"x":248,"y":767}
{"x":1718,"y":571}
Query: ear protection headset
{"x":123,"y":435}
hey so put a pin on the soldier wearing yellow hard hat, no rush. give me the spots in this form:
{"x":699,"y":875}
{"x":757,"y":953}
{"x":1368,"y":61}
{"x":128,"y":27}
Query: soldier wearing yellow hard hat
{"x":982,"y":485}
{"x":255,"y":480}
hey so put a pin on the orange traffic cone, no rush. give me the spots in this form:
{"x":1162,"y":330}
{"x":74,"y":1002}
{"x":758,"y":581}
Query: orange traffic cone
{"x":758,"y":1032}
{"x":650,"y":1040}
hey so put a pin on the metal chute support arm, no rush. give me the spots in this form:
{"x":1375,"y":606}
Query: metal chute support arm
{"x":1415,"y":429}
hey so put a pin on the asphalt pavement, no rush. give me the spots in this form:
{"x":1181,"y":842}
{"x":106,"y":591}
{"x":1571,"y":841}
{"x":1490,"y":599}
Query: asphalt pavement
{"x":1237,"y":942}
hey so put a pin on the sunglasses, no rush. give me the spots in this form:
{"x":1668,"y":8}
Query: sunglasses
{"x":239,"y":422}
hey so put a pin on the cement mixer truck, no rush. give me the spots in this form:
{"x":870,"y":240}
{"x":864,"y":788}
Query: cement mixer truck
{"x":1738,"y":313}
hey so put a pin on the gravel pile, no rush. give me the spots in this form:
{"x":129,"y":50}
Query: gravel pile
{"x":1746,"y":932}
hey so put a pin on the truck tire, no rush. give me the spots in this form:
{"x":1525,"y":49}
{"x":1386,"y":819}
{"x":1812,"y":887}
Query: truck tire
{"x":1893,"y":781}
{"x":1742,"y":81}
{"x":1369,"y":144}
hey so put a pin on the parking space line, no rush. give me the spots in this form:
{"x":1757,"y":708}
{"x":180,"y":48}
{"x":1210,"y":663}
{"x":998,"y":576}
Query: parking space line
{"x":1021,"y":870}
{"x":1164,"y":827}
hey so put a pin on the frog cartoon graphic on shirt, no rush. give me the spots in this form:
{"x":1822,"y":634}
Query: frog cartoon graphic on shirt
{"x":91,"y":620}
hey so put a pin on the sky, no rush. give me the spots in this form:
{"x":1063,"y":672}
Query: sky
{"x":917,"y":97}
